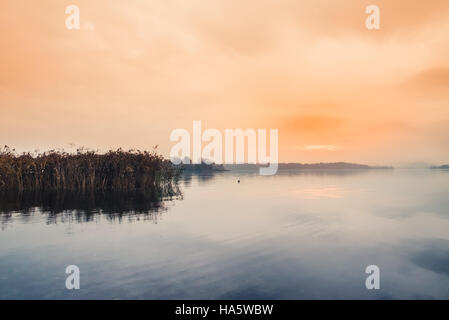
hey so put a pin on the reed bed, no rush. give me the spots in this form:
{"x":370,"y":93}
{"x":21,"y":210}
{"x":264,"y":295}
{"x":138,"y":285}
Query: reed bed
{"x":87,"y":171}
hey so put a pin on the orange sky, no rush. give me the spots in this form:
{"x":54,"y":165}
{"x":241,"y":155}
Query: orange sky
{"x":138,"y":69}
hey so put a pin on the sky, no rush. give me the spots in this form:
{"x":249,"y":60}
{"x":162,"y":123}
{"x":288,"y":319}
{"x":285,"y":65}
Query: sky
{"x":138,"y":69}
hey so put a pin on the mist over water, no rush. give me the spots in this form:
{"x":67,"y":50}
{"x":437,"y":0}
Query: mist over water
{"x":297,"y":235}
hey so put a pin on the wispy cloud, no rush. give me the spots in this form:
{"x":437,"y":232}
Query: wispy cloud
{"x":323,"y":147}
{"x":137,"y":69}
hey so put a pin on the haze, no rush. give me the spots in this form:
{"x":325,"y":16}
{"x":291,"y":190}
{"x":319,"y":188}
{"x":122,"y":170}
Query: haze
{"x":138,"y":69}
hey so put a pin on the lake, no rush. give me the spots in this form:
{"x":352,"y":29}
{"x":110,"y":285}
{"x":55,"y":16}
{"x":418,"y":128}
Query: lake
{"x":297,"y":235}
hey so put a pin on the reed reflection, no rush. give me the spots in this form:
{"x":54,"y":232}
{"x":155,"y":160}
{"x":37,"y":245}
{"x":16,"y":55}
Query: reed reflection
{"x":86,"y":206}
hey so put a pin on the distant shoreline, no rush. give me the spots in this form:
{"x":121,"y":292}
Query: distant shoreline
{"x":203,"y":167}
{"x":312,"y":166}
{"x":443,"y":167}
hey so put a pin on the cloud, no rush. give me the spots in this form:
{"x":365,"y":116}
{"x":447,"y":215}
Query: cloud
{"x":250,"y":25}
{"x":312,"y":123}
{"x":431,"y":78}
{"x":138,"y":69}
{"x":327,"y":147}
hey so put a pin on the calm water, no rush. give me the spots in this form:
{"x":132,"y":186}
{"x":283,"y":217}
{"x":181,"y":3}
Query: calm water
{"x":292,"y":236}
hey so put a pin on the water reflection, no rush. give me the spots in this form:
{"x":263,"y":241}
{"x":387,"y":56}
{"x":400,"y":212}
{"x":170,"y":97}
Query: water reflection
{"x":432,"y":255}
{"x":84,"y":207}
{"x":297,"y":235}
{"x":316,"y":192}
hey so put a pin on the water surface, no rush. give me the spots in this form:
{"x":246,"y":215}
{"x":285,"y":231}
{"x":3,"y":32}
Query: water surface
{"x":296,"y":235}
